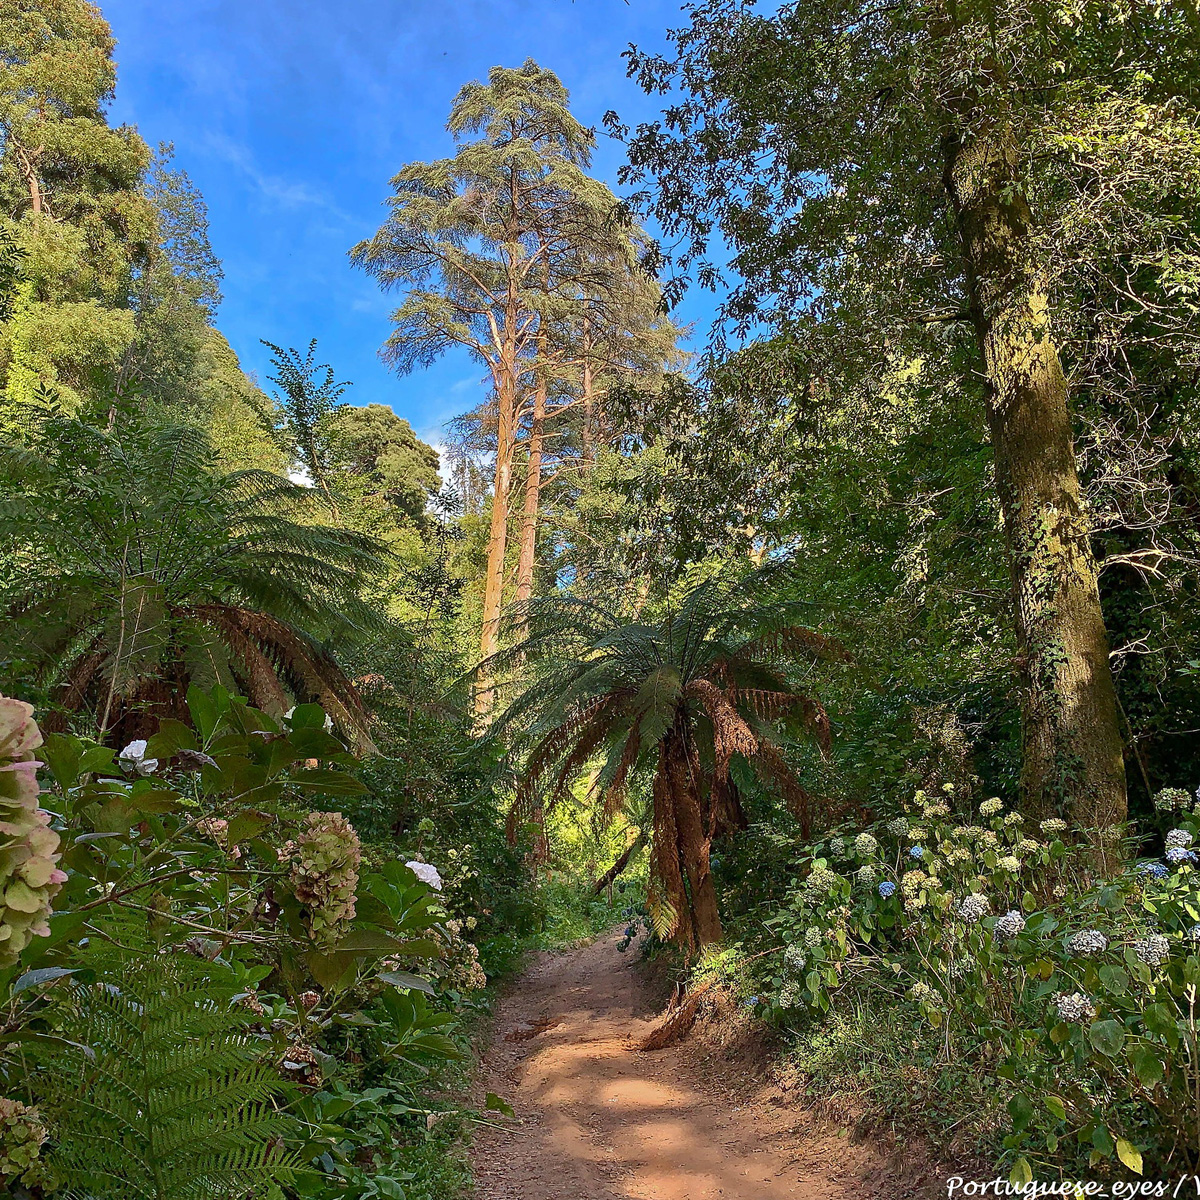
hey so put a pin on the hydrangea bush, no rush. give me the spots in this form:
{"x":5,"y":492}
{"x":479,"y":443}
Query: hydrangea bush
{"x":1081,"y":991}
{"x":22,"y":1136}
{"x":324,"y":863}
{"x":29,"y":849}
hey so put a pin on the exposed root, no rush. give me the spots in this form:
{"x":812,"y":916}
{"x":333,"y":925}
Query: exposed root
{"x":677,"y":1023}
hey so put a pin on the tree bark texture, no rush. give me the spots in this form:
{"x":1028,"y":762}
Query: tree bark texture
{"x":1072,"y":753}
{"x":680,"y":852}
{"x":533,"y":494}
{"x":493,"y":595}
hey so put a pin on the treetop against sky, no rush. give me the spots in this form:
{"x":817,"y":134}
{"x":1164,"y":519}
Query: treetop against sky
{"x":292,"y":117}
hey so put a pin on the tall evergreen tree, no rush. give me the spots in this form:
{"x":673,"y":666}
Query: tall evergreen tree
{"x":496,"y":247}
{"x":70,"y":187}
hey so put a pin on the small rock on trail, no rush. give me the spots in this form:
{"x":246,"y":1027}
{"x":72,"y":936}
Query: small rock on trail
{"x":598,"y":1120}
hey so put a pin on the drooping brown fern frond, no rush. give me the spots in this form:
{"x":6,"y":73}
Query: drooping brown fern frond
{"x":773,"y":768}
{"x":770,"y":705}
{"x":617,"y":792}
{"x":731,"y":734}
{"x":586,"y":725}
{"x":794,"y":641}
{"x":75,"y":687}
{"x":312,"y":672}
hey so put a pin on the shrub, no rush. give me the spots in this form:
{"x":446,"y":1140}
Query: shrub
{"x":1079,"y":991}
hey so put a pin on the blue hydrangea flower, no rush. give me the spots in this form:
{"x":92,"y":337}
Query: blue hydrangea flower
{"x":1155,"y":870}
{"x":751,"y":1001}
{"x":917,"y":852}
{"x":1180,"y":854}
{"x":887,"y":888}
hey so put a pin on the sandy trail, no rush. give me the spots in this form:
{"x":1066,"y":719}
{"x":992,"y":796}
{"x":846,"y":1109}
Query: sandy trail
{"x":598,"y":1120}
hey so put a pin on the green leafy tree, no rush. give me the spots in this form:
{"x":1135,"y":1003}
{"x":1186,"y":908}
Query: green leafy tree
{"x":71,"y":188}
{"x":141,"y":568}
{"x":887,"y":180}
{"x":677,"y":699}
{"x":389,"y":468}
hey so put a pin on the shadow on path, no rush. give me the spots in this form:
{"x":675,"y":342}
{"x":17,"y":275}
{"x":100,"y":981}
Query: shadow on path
{"x":598,"y":1120}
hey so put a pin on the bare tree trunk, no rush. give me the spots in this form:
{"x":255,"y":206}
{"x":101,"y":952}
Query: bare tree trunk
{"x":589,"y":403}
{"x":1072,"y":753}
{"x":493,"y":594}
{"x":27,"y":162}
{"x":533,"y":495}
{"x":623,"y":860}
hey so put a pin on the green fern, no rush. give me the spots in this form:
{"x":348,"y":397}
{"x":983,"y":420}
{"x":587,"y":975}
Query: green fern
{"x":166,"y":1096}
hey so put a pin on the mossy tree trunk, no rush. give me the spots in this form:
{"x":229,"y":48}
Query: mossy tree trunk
{"x":1072,"y":752}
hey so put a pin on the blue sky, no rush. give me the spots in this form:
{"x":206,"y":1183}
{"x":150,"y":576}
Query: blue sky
{"x":292,"y":115}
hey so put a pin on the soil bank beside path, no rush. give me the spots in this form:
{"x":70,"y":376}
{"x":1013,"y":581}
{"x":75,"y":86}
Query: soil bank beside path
{"x":598,"y":1120}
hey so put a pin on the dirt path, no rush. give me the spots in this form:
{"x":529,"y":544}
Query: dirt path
{"x":598,"y":1120}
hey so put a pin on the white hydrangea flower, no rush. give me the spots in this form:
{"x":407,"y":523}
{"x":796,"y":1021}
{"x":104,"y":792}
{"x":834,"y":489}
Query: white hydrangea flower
{"x":974,"y":907}
{"x":1076,"y":1007}
{"x":989,"y":808}
{"x":1028,"y":846}
{"x":837,"y":846}
{"x":1086,"y":941}
{"x":1171,"y":798}
{"x":813,"y":937}
{"x":426,"y":873}
{"x":287,"y":716}
{"x":865,"y":845}
{"x":821,"y":879}
{"x":1179,"y":837}
{"x":1153,"y":950}
{"x":897,"y":826}
{"x":794,"y":958}
{"x":1010,"y":862}
{"x":133,"y":758}
{"x":961,"y":966}
{"x":1009,"y":925}
{"x":1053,"y":825}
{"x":867,"y":875}
{"x":922,"y":992}
{"x":1014,"y":818}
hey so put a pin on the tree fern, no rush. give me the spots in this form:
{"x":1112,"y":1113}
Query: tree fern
{"x":142,"y":569}
{"x":167,"y":1095}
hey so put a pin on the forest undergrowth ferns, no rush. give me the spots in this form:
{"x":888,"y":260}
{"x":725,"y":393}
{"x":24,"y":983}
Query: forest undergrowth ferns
{"x":1078,"y":991}
{"x":224,"y":956}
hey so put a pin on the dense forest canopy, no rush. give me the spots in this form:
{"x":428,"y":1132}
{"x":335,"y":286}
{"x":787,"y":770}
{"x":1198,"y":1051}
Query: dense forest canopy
{"x":857,"y":646}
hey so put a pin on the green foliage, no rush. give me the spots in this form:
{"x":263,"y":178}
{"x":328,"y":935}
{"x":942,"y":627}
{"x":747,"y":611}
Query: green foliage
{"x":161,"y":1091}
{"x":395,"y":472}
{"x":1073,"y":990}
{"x":142,"y":564}
{"x":70,"y":186}
{"x":214,"y":940}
